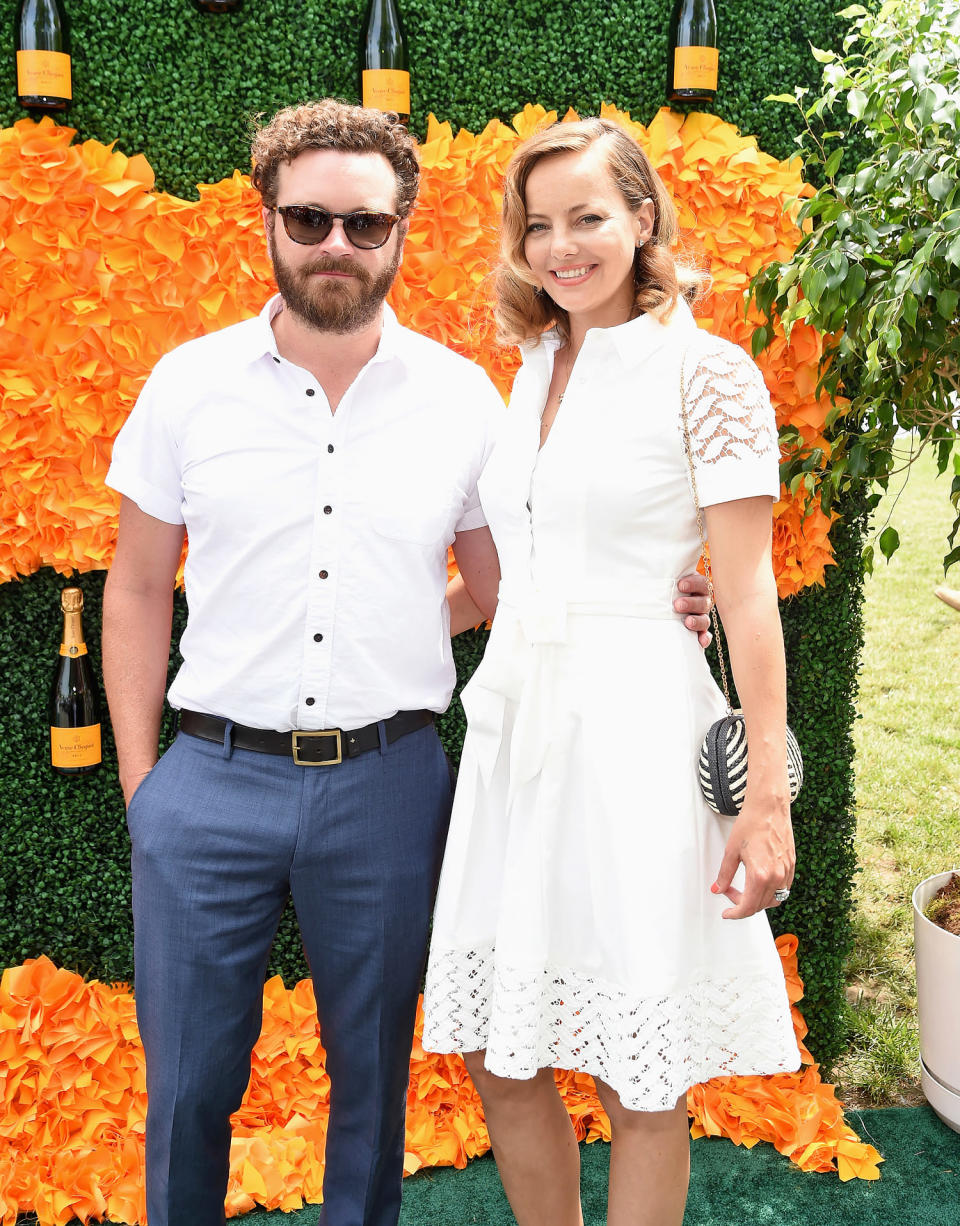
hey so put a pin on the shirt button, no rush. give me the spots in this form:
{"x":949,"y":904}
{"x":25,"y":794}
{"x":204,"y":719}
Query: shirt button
{"x":309,"y":701}
{"x":311,"y":392}
{"x":324,"y":574}
{"x":277,"y":360}
{"x":328,"y":510}
{"x":318,"y":638}
{"x":330,"y":448}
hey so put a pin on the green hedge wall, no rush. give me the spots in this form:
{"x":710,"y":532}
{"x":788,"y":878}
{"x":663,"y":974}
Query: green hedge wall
{"x":177,"y":84}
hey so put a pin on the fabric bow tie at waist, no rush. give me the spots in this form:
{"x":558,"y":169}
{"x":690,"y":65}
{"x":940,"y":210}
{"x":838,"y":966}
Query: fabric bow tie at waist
{"x":522,"y":666}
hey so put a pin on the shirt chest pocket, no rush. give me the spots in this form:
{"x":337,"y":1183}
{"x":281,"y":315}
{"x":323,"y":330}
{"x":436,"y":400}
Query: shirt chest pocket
{"x":416,"y":505}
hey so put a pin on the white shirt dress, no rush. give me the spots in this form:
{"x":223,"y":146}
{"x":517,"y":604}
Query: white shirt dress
{"x":574,"y":924}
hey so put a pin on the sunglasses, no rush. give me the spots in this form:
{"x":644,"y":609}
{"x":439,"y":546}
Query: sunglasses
{"x":305,"y":224}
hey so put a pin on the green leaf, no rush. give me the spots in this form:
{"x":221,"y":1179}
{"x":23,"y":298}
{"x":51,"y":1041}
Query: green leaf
{"x":780,"y":98}
{"x":787,"y":276}
{"x":889,"y":542}
{"x":822,"y":57}
{"x":856,"y":103}
{"x":855,"y":285}
{"x":953,"y":251}
{"x":833,"y":163}
{"x":866,"y":559}
{"x":940,"y":186}
{"x":926,"y":106}
{"x":917,"y":67}
{"x":947,"y":302}
{"x":854,"y":10}
{"x":836,"y":270}
{"x":760,"y":340}
{"x":858,"y":460}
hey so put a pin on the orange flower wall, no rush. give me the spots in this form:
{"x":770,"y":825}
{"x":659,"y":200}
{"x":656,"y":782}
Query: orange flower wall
{"x":73,"y":1104}
{"x":100,"y":275}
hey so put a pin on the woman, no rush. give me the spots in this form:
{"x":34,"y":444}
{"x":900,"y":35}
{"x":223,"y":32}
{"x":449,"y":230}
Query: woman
{"x":585,"y":912}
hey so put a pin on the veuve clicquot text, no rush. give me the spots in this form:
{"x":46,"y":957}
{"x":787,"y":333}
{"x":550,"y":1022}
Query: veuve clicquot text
{"x":43,"y":55}
{"x":692,"y":56}
{"x":75,"y":697}
{"x":383,"y":58}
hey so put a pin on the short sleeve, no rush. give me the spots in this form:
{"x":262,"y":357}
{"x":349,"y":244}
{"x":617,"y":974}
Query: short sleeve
{"x":489,"y":413}
{"x":145,"y":465}
{"x":733,"y":429}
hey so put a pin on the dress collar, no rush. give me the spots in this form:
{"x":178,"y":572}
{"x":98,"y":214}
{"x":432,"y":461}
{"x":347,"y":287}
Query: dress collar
{"x":633,"y":342}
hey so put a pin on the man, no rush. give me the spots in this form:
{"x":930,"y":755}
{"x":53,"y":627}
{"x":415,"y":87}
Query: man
{"x":322,"y":459}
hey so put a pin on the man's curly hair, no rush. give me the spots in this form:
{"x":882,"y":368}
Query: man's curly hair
{"x":330,"y":124}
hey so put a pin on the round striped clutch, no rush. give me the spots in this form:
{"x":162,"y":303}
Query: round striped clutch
{"x":723,"y":764}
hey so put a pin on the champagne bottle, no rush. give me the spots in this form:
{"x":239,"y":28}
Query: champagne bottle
{"x":75,"y":697}
{"x":692,"y":56}
{"x":43,"y":55}
{"x":383,"y":56}
{"x":217,"y":6}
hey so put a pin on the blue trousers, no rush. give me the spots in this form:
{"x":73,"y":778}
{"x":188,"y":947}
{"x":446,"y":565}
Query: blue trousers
{"x":221,"y":838}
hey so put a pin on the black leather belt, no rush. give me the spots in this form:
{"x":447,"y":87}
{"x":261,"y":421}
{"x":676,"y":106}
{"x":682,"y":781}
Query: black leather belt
{"x":323,"y":748}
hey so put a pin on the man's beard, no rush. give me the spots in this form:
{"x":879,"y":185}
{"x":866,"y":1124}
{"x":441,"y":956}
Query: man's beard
{"x":329,"y":304}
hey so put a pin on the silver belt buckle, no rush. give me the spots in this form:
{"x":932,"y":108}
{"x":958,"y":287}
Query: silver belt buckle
{"x":295,"y":744}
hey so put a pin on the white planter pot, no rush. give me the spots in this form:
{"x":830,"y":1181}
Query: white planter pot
{"x":938,"y":1002}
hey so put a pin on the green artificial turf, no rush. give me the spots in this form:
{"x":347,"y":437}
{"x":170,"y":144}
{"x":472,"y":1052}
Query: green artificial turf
{"x":730,"y":1186}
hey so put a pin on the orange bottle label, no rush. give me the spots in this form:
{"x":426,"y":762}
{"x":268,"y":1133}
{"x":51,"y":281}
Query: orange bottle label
{"x":75,"y":746}
{"x":387,"y":89}
{"x":695,"y":67}
{"x":43,"y":74}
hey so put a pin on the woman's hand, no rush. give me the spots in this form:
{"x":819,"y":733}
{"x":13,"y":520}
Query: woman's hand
{"x":695,"y":603}
{"x":762,"y":841}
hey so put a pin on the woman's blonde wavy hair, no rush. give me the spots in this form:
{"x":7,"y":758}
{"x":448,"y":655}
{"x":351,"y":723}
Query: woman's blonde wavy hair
{"x":523,"y":310}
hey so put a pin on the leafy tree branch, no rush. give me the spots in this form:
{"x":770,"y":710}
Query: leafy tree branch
{"x":878,"y":269}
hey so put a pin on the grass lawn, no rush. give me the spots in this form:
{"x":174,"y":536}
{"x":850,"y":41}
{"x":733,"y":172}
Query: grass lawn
{"x":908,"y":783}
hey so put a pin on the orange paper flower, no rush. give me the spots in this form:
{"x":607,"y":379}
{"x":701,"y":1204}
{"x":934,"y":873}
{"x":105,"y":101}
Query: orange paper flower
{"x":100,"y":275}
{"x":74,"y":1103}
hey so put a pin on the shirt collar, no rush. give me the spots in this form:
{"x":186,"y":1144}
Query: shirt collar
{"x":263,"y":342}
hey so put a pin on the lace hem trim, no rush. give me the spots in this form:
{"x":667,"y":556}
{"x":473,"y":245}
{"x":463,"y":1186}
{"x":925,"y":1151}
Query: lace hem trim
{"x":649,"y":1050}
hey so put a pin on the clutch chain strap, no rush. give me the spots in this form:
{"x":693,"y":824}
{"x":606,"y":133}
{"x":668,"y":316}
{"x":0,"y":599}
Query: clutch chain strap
{"x":705,"y":553}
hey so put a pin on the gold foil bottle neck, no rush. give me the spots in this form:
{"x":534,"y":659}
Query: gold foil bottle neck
{"x":71,"y":600}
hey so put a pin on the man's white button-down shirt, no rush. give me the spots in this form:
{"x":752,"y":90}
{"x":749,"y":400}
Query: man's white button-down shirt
{"x":316,"y":569}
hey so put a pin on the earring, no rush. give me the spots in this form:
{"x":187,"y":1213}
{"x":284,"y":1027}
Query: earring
{"x":640,"y":243}
{"x":540,"y":292}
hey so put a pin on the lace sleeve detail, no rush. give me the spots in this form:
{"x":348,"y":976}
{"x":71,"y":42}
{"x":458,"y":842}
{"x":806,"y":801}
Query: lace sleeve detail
{"x":733,"y":431}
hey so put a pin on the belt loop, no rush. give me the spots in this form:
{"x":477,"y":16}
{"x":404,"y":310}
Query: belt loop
{"x":382,"y":733}
{"x":228,"y":739}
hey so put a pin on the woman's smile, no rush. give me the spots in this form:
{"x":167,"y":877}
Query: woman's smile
{"x":573,"y":276}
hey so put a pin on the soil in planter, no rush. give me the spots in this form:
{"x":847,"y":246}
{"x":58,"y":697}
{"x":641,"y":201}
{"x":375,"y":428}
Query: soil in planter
{"x":944,"y":908}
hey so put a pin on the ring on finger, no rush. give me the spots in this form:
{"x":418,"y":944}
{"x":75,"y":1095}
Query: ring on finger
{"x":781,"y":895}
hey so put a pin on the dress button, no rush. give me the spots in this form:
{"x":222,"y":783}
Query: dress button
{"x":328,"y":510}
{"x":330,"y":448}
{"x":324,"y":574}
{"x":309,"y":701}
{"x":318,"y":638}
{"x":311,"y":392}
